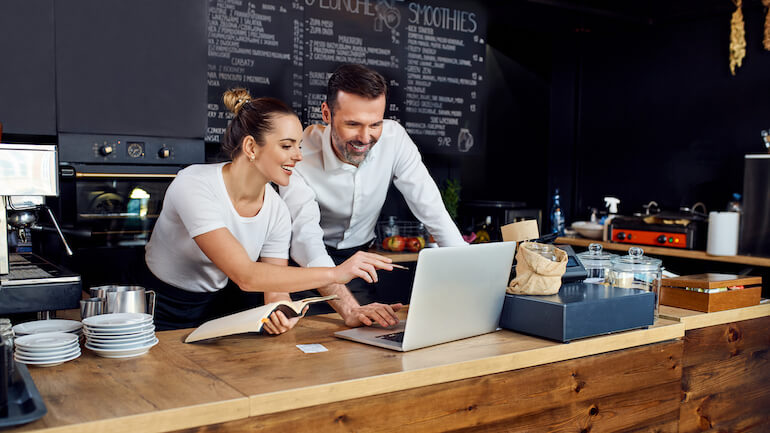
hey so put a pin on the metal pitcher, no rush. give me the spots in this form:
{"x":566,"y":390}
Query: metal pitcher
{"x":126,"y":299}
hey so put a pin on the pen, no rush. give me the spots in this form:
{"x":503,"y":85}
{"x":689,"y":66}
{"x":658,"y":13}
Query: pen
{"x":399,"y":266}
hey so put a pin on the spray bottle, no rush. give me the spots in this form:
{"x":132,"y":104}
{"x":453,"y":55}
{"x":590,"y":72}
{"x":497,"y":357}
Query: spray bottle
{"x":611,"y":203}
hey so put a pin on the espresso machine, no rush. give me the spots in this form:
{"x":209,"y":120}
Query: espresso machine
{"x":28,"y":282}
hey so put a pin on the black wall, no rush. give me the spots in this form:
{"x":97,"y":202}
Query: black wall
{"x":642,"y":103}
{"x":584,"y":96}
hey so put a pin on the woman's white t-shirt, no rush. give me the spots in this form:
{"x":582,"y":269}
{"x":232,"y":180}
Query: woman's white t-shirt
{"x":197,"y":202}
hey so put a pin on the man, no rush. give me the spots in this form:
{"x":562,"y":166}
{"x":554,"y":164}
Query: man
{"x":342,"y":183}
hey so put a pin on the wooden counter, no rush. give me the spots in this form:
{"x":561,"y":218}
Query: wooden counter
{"x":725,"y":369}
{"x":236,"y":381}
{"x":699,"y":319}
{"x":397,"y":257}
{"x":670,"y":252}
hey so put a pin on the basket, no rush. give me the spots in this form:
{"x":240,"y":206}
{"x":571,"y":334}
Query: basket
{"x":407,"y":230}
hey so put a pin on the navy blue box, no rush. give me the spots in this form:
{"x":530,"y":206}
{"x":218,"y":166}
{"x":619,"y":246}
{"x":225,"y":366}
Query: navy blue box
{"x":579,"y":310}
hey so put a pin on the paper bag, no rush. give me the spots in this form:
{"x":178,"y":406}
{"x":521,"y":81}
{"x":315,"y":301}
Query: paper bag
{"x":535,"y":274}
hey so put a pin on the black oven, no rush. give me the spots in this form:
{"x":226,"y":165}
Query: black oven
{"x":111,"y":193}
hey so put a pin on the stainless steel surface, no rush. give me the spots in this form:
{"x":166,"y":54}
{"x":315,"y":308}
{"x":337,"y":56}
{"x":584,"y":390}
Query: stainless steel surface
{"x":24,"y":272}
{"x":125,"y":299}
{"x":25,"y":169}
{"x":133,"y":300}
{"x":58,"y":230}
{"x":22,"y":218}
{"x":3,"y":238}
{"x":100,"y":291}
{"x":92,"y":307}
{"x":28,"y":169}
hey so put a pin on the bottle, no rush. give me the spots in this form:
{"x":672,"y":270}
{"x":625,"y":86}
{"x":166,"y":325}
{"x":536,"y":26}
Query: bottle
{"x":391,"y":229}
{"x":734,"y":205}
{"x":483,"y":234}
{"x":611,"y":203}
{"x":557,"y":215}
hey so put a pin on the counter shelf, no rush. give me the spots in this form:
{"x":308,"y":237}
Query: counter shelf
{"x":670,"y":252}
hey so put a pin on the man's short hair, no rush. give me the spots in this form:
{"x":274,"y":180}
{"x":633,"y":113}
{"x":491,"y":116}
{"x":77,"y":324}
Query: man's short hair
{"x":356,"y":79}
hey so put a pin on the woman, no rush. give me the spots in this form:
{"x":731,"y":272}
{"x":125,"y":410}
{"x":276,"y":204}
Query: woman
{"x":221,"y":221}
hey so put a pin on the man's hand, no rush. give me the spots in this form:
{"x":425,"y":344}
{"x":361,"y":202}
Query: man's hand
{"x":382,"y":314}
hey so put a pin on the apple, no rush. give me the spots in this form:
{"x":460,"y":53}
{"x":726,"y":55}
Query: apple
{"x":394,"y":243}
{"x":414,"y":244}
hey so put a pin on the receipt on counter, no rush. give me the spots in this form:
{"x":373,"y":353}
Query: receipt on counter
{"x":312,"y":348}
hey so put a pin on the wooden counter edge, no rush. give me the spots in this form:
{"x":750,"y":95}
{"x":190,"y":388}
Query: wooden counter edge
{"x":280,"y":401}
{"x":163,"y":420}
{"x":697,"y":319}
{"x":670,"y":252}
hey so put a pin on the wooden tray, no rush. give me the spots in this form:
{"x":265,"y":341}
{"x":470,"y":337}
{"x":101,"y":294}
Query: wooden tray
{"x":672,"y":292}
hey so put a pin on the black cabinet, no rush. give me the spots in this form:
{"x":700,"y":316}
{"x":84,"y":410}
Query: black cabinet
{"x":132,"y":67}
{"x":27,"y":72}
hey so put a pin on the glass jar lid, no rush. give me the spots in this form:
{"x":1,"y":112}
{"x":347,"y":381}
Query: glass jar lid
{"x":595,"y":257}
{"x":636,"y":261}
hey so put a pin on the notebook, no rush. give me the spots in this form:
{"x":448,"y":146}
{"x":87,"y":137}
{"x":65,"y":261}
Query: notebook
{"x":458,"y":292}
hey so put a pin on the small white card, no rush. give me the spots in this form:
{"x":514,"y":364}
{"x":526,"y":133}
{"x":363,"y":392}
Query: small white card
{"x":312,"y":348}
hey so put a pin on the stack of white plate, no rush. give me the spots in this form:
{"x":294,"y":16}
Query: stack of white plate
{"x":52,"y":325}
{"x":46,"y":349}
{"x":120,"y":335}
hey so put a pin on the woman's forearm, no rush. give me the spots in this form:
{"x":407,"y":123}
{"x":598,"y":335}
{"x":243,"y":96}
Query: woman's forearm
{"x":266,"y":277}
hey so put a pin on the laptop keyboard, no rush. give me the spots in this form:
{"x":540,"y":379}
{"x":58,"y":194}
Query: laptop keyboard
{"x":398,"y":337}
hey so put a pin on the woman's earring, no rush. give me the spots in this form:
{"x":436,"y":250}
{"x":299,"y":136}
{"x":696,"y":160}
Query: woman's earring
{"x":251,"y":158}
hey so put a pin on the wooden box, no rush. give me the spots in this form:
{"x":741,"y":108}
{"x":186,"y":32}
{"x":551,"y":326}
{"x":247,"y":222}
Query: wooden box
{"x":673,"y":292}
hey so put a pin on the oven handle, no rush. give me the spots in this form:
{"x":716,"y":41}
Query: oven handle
{"x":127,"y":175}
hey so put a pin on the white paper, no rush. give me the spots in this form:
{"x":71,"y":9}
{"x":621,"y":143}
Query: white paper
{"x":312,"y":348}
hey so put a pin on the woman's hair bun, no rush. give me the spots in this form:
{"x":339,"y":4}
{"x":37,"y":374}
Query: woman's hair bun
{"x":235,"y":99}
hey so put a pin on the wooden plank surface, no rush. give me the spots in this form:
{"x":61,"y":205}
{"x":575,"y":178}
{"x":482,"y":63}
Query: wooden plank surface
{"x":726,"y":378}
{"x":698,"y":319}
{"x":277,"y":376}
{"x":158,"y":391}
{"x":710,"y":302}
{"x":177,"y":385}
{"x":671,"y":252}
{"x":395,"y":256}
{"x":619,"y":391}
{"x":710,"y":280}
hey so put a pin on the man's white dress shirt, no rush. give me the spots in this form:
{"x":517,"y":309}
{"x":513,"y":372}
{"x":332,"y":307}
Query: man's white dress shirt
{"x":338,"y":204}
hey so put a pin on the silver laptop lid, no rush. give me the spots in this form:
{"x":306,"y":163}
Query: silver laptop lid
{"x":458,"y":292}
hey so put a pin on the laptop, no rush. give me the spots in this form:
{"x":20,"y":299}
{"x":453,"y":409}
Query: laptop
{"x":458,"y":292}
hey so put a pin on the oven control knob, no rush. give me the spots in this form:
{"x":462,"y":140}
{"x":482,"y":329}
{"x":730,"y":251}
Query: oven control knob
{"x":621,"y":236}
{"x":164,"y":152}
{"x":661,"y":239}
{"x":106,"y":149}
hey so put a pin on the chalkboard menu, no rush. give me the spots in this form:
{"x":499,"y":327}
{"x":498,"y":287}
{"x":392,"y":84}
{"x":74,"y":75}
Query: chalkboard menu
{"x":430,"y":52}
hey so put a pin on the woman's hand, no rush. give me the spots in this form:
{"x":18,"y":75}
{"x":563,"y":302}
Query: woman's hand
{"x":279,"y":323}
{"x":361,"y":265}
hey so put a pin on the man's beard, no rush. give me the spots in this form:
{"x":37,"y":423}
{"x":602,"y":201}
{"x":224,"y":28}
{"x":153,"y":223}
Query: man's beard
{"x":346,"y":153}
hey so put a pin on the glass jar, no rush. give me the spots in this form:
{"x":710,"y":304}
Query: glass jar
{"x":598,"y":264}
{"x":545,"y":250}
{"x":635,"y":271}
